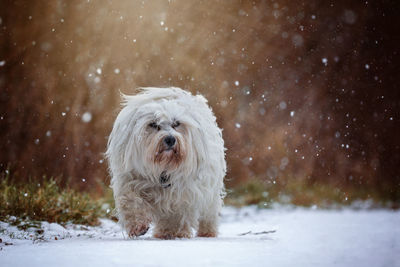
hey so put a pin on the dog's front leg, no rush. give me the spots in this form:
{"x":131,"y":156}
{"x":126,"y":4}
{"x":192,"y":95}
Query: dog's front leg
{"x":208,"y":221}
{"x":172,"y":227}
{"x":132,"y":211}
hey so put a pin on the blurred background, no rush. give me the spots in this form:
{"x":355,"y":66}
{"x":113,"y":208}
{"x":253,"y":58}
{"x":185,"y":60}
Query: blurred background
{"x":306,"y":92}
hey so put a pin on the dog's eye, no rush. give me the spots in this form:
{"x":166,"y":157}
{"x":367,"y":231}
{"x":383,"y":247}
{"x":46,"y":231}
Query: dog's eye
{"x":154,"y":126}
{"x":175,"y":124}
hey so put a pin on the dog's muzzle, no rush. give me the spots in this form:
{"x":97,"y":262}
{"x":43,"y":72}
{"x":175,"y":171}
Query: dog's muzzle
{"x":169,"y":141}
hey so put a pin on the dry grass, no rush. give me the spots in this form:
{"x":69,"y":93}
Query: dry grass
{"x":301,"y":193}
{"x":46,"y":201}
{"x":27,"y":204}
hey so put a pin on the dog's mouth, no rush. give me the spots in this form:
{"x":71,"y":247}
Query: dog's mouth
{"x":169,"y":157}
{"x":170,"y":151}
{"x":167,"y":154}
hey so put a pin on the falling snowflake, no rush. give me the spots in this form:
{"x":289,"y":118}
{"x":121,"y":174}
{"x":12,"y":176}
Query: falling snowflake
{"x":86,"y":117}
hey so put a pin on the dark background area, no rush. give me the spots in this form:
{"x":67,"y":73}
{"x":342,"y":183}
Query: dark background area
{"x":306,"y":91}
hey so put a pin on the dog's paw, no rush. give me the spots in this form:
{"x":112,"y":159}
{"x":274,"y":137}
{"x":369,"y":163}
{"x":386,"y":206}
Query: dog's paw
{"x":170,"y":235}
{"x":207,"y":234}
{"x":137,"y":230}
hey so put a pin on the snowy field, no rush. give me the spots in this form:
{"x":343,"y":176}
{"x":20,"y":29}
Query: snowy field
{"x":248,"y":237}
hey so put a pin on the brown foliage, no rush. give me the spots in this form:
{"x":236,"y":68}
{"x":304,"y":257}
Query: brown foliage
{"x":291,"y":83}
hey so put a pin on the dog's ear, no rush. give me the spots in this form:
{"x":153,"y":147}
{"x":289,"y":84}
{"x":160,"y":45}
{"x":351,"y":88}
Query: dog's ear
{"x":120,"y":140}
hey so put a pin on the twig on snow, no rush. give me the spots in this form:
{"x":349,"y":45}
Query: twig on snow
{"x":257,"y":233}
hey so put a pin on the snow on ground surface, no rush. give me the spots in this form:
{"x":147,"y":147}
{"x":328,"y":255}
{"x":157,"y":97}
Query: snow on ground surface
{"x":248,"y":237}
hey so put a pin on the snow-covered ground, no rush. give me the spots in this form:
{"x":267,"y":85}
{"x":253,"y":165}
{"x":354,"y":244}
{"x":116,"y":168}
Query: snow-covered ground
{"x":248,"y":237}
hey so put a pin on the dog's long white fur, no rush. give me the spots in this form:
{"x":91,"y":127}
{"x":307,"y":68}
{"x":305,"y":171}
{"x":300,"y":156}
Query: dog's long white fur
{"x":197,"y":189}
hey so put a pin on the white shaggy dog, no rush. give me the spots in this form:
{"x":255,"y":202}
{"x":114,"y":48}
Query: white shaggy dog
{"x":167,"y":162}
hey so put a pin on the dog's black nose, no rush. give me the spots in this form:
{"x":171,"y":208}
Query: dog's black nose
{"x":169,"y":141}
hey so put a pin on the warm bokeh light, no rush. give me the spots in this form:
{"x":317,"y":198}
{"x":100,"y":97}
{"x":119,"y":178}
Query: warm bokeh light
{"x":304,"y":91}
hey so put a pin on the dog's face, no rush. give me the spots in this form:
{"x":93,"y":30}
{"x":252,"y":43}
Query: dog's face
{"x":164,"y":133}
{"x":166,"y":142}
